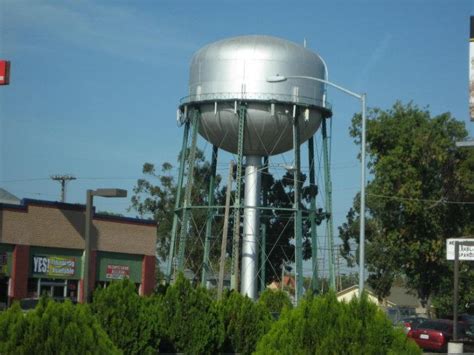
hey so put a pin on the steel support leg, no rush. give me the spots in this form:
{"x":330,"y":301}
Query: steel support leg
{"x":210,"y":217}
{"x":263,"y":238}
{"x":187,"y":194}
{"x":234,"y":281}
{"x":177,"y":202}
{"x":312,"y":217}
{"x":297,"y":207}
{"x":328,"y":198}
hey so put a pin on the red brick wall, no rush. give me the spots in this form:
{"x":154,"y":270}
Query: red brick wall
{"x":20,"y":268}
{"x":148,"y":274}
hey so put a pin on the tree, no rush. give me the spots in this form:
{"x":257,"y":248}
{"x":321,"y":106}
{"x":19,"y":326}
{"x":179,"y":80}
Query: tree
{"x":157,"y":201}
{"x":129,"y":320}
{"x":280,"y":222}
{"x":245,"y":322}
{"x":322,"y":325}
{"x":155,"y":198}
{"x":275,"y":300}
{"x":443,"y":299}
{"x":190,"y":319}
{"x":53,"y":328}
{"x":420,"y":193}
{"x":108,"y":213}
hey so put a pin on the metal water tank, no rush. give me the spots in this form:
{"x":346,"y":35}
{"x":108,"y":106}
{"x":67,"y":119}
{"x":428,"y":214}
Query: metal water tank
{"x":236,"y":70}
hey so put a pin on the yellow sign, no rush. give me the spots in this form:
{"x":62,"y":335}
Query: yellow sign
{"x":54,"y":265}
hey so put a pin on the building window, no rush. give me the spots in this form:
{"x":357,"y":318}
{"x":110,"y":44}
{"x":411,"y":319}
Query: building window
{"x":55,"y":288}
{"x":4,"y":282}
{"x":72,"y":286}
{"x":32,"y":291}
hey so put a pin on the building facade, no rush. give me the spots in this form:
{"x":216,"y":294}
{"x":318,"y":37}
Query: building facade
{"x":42,"y":251}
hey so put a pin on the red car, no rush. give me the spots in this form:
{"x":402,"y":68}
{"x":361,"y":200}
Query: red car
{"x":434,"y":335}
{"x":410,"y":323}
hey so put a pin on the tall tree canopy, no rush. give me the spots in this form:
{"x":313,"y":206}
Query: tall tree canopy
{"x":420,"y":192}
{"x":154,"y":197}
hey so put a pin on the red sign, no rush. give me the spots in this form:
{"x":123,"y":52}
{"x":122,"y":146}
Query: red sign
{"x":4,"y":72}
{"x":117,"y":272}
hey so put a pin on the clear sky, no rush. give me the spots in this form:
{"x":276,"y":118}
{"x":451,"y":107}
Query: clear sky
{"x":95,"y":84}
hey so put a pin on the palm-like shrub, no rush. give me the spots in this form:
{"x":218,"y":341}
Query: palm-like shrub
{"x":324,"y":325}
{"x":53,"y":328}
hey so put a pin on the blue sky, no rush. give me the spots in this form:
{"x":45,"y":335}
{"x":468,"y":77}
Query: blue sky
{"x":95,"y":84}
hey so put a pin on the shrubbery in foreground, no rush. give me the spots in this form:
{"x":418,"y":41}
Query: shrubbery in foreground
{"x":245,"y":322}
{"x":275,"y":300}
{"x":188,"y":320}
{"x":53,"y":328}
{"x":128,"y":319}
{"x":323,"y":325}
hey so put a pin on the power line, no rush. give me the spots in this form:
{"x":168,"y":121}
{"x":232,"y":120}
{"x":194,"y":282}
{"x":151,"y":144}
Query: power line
{"x":440,"y":201}
{"x":24,"y":180}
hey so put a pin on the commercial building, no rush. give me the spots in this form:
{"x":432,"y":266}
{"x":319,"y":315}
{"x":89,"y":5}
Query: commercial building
{"x":42,"y":250}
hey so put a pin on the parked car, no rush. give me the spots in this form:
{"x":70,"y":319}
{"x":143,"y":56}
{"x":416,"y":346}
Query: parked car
{"x":463,"y":317}
{"x":434,"y":335}
{"x":395,"y":314}
{"x":409,"y":323}
{"x":466,"y":318}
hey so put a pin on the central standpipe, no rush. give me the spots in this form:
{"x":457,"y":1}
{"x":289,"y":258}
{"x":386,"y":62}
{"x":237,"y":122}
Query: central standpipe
{"x":249,"y":269}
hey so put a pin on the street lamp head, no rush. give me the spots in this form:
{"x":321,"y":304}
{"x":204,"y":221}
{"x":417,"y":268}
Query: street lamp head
{"x":110,"y":193}
{"x":276,"y":78}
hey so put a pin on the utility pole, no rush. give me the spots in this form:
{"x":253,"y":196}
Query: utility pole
{"x":63,"y":179}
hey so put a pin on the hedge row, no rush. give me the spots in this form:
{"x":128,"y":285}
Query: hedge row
{"x":188,"y":320}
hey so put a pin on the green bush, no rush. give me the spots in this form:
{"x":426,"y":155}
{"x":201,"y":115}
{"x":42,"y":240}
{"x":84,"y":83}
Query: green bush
{"x":275,"y":300}
{"x":130,"y":320}
{"x":325,"y":326}
{"x":245,"y":323}
{"x":53,"y":328}
{"x":190,"y":320}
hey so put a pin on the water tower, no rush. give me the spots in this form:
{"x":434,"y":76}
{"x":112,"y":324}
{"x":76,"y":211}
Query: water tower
{"x":232,"y":104}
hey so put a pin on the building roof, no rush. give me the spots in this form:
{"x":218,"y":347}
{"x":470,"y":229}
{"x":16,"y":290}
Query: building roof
{"x":399,"y":296}
{"x":402,"y":297}
{"x":349,"y":293}
{"x":288,"y":281}
{"x":8,"y":198}
{"x":23,"y":205}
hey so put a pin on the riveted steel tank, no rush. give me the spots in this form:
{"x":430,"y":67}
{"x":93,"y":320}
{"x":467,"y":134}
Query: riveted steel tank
{"x":237,"y":70}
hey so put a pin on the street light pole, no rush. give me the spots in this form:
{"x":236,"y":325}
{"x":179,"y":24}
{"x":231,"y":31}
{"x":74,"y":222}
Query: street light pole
{"x":87,"y":233}
{"x":362,"y":198}
{"x":362,"y":98}
{"x":87,"y":246}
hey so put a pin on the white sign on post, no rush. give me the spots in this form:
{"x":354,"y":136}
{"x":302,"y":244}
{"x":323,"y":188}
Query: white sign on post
{"x":466,"y":252}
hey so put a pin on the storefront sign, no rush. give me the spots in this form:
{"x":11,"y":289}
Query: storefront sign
{"x":54,"y":265}
{"x":117,"y":272}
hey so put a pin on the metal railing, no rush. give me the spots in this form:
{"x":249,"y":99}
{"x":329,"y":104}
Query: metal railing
{"x":269,"y":97}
